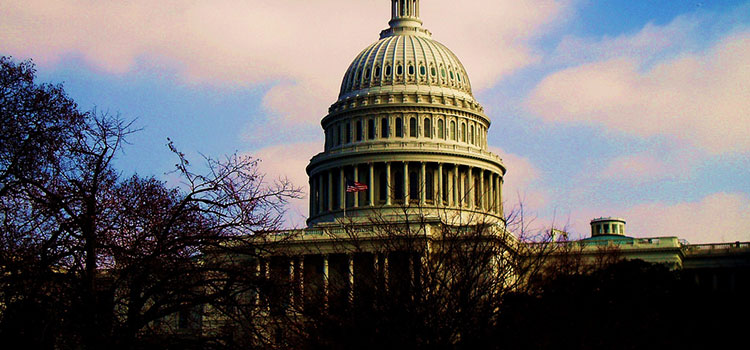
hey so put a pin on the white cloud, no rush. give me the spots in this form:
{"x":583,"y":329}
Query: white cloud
{"x":303,"y":46}
{"x":698,"y":99}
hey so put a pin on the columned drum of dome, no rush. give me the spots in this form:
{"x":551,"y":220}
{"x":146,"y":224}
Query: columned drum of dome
{"x":406,"y":124}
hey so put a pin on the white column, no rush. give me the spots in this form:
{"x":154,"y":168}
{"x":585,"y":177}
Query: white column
{"x":471,"y":191}
{"x":423,"y":184}
{"x":406,"y":183}
{"x":482,"y":195}
{"x":342,"y":189}
{"x":456,"y":187}
{"x":371,"y":189}
{"x":388,"y":188}
{"x":356,"y":194}
{"x":440,"y":185}
{"x":330,"y":190}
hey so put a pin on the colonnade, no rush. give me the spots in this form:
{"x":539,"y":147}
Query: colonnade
{"x":401,"y":182}
{"x":321,"y":277}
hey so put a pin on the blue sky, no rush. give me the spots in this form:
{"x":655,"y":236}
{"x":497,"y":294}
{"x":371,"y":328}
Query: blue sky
{"x":637,"y":109}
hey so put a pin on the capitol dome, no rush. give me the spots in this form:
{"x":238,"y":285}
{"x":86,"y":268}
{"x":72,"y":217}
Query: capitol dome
{"x":406,"y":62}
{"x":406,"y":132}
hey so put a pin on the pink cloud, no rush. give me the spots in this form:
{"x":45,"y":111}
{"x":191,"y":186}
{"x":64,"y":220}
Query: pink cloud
{"x":698,"y":99}
{"x":521,"y":183}
{"x":288,"y":161}
{"x":304,"y":46}
{"x":719,"y":217}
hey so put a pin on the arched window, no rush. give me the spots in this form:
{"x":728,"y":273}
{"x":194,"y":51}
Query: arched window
{"x":471,"y":134}
{"x":399,"y":69}
{"x":453,"y":130}
{"x":463,"y":132}
{"x":377,"y":72}
{"x":338,"y":135}
{"x":399,"y":127}
{"x":388,"y":71}
{"x":384,"y":128}
{"x":359,"y":130}
{"x":427,"y":128}
{"x":413,"y":127}
{"x":422,"y":70}
{"x":370,"y":129}
{"x":441,"y":132}
{"x":411,"y":70}
{"x":348,"y":135}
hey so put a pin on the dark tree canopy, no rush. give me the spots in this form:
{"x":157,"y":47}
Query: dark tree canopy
{"x":88,"y":259}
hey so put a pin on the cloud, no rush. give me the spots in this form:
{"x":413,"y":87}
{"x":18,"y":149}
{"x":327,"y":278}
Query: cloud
{"x":669,"y":164}
{"x":697,"y":99}
{"x":521,"y":183}
{"x":301,"y":47}
{"x":288,"y":161}
{"x":719,"y":217}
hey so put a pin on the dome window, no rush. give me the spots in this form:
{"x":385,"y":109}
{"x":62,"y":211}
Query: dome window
{"x":399,"y":128}
{"x":427,"y":125}
{"x":384,"y":128}
{"x":451,"y":75}
{"x":413,"y":127}
{"x":422,"y":70}
{"x":459,"y":76}
{"x":377,"y":72}
{"x":399,"y":70}
{"x":441,"y":132}
{"x":348,"y":135}
{"x":433,"y":72}
{"x":367,"y":73}
{"x":442,"y":72}
{"x":370,"y":129}
{"x":359,"y":130}
{"x":387,"y":71}
{"x":411,"y":70}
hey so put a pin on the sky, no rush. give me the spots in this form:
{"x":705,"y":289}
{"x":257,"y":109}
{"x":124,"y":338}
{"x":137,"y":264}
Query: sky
{"x":632,"y":109}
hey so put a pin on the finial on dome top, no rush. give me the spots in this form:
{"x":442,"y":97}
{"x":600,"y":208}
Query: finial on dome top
{"x":404,"y":19}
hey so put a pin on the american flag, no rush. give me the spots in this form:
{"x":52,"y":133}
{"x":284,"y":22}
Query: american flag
{"x":354,"y":186}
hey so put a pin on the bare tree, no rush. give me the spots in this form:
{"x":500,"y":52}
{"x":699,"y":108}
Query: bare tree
{"x":115,"y":259}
